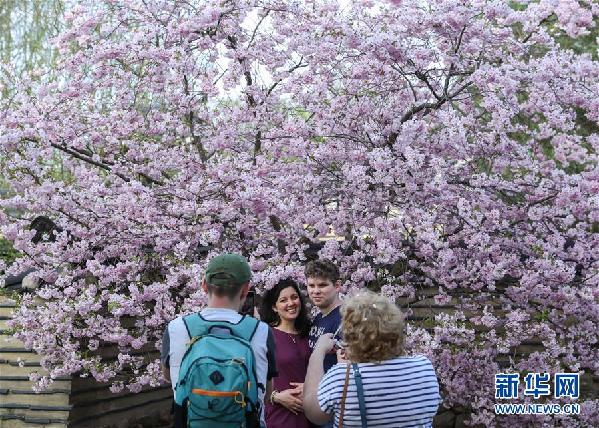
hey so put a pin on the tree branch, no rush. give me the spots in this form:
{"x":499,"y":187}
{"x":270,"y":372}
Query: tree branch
{"x":196,"y":140}
{"x":426,"y":106}
{"x":422,"y":76}
{"x":291,"y":70}
{"x":102,"y":164}
{"x":543,"y":21}
{"x":87,"y":159}
{"x":432,"y":106}
{"x":257,"y":26}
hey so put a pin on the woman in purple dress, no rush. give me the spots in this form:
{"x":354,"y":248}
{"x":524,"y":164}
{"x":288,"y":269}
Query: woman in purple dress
{"x":284,"y":309}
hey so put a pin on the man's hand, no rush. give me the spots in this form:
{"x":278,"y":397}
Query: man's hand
{"x":324,"y":344}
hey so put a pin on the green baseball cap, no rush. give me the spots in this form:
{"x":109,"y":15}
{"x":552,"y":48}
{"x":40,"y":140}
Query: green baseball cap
{"x":228,"y":270}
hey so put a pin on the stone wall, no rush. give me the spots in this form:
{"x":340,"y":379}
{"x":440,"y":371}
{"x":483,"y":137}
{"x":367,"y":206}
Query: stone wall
{"x":19,"y":405}
{"x":68,"y":403}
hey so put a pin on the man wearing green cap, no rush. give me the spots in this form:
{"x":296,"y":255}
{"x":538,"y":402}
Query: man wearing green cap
{"x":226,"y":281}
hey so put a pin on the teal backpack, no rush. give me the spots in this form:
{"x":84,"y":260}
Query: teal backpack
{"x":217,"y":382}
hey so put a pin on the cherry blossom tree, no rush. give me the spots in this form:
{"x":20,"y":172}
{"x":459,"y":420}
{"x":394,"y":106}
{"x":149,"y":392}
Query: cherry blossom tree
{"x":446,"y":144}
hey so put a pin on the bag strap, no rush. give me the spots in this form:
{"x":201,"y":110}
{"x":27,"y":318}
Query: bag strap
{"x":245,"y":329}
{"x":195,"y":325}
{"x":343,"y":397}
{"x":360,"y":388}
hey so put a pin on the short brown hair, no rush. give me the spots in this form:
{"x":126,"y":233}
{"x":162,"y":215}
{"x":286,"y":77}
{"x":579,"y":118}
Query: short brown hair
{"x":229,"y":290}
{"x":322,"y":268}
{"x":373,"y":328}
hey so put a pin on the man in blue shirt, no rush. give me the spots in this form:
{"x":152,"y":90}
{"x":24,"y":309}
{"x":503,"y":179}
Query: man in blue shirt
{"x":322,"y":277}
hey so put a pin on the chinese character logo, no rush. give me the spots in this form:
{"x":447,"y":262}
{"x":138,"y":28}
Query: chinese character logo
{"x":566,"y":385}
{"x":506,"y":385}
{"x":537,"y":384}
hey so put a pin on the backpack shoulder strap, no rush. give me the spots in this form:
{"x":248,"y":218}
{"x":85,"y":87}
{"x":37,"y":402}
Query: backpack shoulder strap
{"x":196,"y":325}
{"x":246,"y":328}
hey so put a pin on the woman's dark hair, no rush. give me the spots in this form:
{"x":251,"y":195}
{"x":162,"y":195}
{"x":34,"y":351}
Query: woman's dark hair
{"x":269,"y":299}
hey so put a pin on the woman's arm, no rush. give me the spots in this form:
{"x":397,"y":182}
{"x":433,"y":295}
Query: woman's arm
{"x":315,"y":373}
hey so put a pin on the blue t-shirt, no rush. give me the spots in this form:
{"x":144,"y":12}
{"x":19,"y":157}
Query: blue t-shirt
{"x":322,"y":325}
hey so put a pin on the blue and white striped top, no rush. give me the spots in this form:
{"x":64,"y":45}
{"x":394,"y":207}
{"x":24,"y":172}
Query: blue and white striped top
{"x":402,"y":392}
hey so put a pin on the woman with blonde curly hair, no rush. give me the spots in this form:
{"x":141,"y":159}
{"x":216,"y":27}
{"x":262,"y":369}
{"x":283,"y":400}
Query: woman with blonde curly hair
{"x":377,"y":386}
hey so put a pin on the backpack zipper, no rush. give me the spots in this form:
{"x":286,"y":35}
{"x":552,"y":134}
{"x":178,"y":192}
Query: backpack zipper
{"x":220,"y":360}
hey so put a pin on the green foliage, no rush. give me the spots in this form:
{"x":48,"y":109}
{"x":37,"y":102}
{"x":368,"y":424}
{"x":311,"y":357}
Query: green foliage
{"x":542,"y":316}
{"x":547,"y":148}
{"x":586,"y":44}
{"x":25,"y":29}
{"x":586,"y":127}
{"x":518,"y":5}
{"x":575,"y":167}
{"x":484,"y":165}
{"x":7,"y":251}
{"x":14,"y":296}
